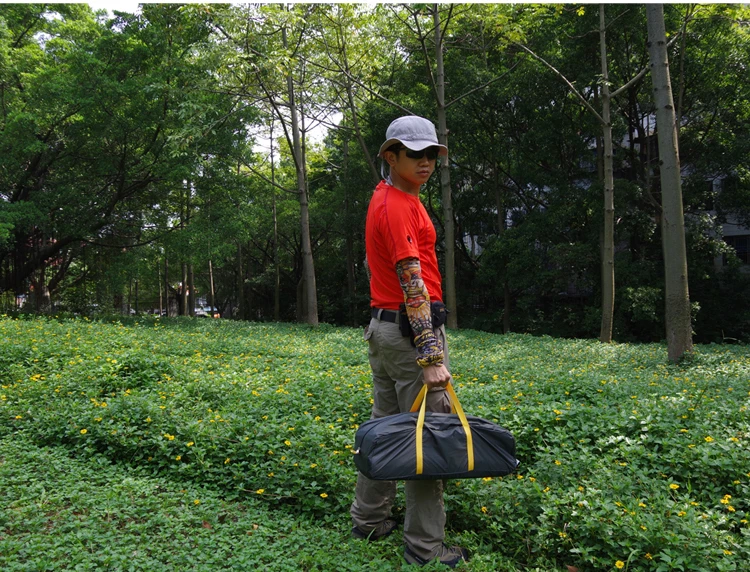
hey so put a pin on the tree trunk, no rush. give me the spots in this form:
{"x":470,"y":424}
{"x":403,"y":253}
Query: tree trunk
{"x":608,"y":240}
{"x":212,"y":293}
{"x":351,"y":285}
{"x":191,"y":291}
{"x":161,"y":287}
{"x":500,"y":204}
{"x":308,"y":268}
{"x":240,"y":284}
{"x":166,"y":286}
{"x":184,"y":291}
{"x":276,"y":265}
{"x":678,"y":323}
{"x":375,"y":177}
{"x":449,"y":279}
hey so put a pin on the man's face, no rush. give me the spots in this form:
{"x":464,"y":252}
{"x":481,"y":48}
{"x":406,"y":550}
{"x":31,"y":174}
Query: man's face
{"x":414,"y":167}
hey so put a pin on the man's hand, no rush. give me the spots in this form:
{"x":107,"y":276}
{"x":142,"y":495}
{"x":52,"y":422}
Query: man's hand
{"x":436,"y":376}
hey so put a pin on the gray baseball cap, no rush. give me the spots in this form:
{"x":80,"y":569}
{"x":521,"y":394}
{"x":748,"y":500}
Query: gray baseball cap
{"x":414,"y":132}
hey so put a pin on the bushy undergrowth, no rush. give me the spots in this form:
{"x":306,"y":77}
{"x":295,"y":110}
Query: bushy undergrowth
{"x":627,"y":462}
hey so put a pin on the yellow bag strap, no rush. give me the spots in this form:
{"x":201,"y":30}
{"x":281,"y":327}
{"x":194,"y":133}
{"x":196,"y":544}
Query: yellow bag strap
{"x":465,"y":423}
{"x":420,"y":429}
{"x":421,"y":403}
{"x":420,"y":398}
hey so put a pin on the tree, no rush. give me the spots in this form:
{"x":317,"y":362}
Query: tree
{"x":103,"y":121}
{"x":429,"y":25}
{"x":605,"y":121}
{"x":272,"y":68}
{"x":677,"y":316}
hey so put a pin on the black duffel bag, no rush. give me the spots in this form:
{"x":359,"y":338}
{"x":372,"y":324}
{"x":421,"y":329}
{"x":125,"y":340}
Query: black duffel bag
{"x":428,"y":445}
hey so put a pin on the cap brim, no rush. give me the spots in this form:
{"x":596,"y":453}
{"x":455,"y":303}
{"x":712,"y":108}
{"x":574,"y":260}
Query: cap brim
{"x":414,"y":146}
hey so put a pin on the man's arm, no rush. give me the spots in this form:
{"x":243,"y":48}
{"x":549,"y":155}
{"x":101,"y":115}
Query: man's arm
{"x":417,"y":298}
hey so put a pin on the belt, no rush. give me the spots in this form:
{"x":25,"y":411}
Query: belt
{"x":385,"y":315}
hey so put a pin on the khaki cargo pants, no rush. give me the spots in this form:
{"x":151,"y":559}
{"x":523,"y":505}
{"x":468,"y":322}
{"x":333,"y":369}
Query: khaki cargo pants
{"x":397,"y":379}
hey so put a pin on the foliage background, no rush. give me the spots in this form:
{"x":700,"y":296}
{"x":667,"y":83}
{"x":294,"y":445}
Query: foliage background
{"x":139,"y":140}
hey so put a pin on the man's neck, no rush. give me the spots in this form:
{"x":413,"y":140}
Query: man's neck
{"x":403,"y":185}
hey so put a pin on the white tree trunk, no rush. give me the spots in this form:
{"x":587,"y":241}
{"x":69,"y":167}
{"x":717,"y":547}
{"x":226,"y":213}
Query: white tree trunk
{"x":310,"y":314}
{"x":608,"y":242}
{"x":449,"y":279}
{"x":678,"y":323}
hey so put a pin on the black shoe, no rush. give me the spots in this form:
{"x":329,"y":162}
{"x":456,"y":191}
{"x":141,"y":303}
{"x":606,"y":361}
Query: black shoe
{"x":448,"y":556}
{"x":380,"y":531}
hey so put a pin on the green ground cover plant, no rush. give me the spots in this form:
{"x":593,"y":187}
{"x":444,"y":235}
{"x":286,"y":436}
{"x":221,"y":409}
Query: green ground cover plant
{"x":153,"y":444}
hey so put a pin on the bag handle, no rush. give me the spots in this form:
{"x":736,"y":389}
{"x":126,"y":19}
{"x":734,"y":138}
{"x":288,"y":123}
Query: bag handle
{"x":421,"y":403}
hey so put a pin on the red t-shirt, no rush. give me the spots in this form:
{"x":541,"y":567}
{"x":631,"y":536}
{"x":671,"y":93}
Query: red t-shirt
{"x":398,"y":227}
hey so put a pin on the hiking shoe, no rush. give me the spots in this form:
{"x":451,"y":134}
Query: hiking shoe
{"x":380,"y":531}
{"x":448,"y":556}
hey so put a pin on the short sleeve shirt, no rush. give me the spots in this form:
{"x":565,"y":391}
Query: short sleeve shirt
{"x":398,"y":227}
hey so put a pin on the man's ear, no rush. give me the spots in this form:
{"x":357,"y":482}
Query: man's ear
{"x":390,"y":157}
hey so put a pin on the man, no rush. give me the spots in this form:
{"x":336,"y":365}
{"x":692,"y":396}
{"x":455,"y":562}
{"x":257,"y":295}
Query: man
{"x":400,"y":244}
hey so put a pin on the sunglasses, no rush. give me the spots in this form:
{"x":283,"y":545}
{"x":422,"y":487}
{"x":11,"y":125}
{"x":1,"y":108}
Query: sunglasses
{"x":431,"y":152}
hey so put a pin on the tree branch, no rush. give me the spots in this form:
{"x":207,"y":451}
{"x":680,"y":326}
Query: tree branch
{"x":562,"y":77}
{"x":267,"y":180}
{"x":468,"y":93}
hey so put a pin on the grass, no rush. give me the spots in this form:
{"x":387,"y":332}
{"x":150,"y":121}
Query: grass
{"x":206,"y":444}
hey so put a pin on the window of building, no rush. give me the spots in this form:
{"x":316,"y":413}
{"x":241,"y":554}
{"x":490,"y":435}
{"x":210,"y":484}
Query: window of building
{"x":741,"y":244}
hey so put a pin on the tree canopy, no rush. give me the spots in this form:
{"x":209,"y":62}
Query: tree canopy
{"x":226,"y":153}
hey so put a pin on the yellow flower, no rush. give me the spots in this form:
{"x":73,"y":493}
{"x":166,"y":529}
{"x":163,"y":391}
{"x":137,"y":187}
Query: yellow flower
{"x":227,"y":460}
{"x":484,"y":509}
{"x":260,"y":491}
{"x":708,"y":439}
{"x":324,"y":495}
{"x":619,"y":564}
{"x":196,"y":501}
{"x":190,"y":444}
{"x":563,"y":534}
{"x":178,"y":458}
{"x":84,"y":431}
{"x":728,"y":552}
{"x":288,"y":443}
{"x":557,"y":462}
{"x":648,"y":556}
{"x":674,"y":486}
{"x":681,"y":513}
